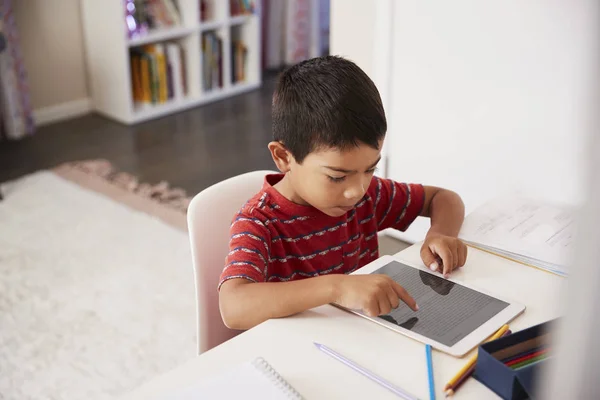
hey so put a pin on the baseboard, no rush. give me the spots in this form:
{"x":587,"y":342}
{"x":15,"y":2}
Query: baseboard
{"x":59,"y":112}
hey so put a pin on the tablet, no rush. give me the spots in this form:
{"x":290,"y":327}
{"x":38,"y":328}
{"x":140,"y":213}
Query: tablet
{"x":453,"y":317}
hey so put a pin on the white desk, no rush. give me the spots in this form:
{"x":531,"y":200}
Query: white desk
{"x":287,"y":343}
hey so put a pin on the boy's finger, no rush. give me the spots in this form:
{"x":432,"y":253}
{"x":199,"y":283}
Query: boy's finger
{"x":384,"y":304}
{"x":404,"y":296}
{"x":372,"y":308}
{"x":447,"y":259}
{"x":429,"y":258}
{"x":393,"y":297}
{"x":462,"y":254}
{"x":454,"y":258}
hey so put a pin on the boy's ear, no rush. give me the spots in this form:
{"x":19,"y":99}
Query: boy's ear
{"x":281,"y":156}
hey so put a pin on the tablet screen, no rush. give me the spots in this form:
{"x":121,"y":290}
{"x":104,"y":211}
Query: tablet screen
{"x":448,"y":312}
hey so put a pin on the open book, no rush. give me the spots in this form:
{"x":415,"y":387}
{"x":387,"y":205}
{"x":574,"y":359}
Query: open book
{"x":251,"y":380}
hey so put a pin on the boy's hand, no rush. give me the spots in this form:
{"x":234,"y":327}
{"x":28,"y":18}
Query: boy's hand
{"x":451,"y":251}
{"x":374,"y":294}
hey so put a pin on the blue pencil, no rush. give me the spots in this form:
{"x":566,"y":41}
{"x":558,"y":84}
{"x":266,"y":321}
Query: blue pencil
{"x":430,"y":372}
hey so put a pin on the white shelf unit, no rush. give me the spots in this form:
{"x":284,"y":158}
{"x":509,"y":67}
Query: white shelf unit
{"x":108,"y":56}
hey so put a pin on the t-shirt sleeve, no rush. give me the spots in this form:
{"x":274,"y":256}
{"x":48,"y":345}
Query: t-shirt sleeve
{"x":397,"y":205}
{"x":248,"y":255}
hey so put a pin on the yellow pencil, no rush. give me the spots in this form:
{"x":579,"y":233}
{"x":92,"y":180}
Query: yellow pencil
{"x":473,"y":359}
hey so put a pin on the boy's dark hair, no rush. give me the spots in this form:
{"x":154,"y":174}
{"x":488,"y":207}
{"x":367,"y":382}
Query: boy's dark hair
{"x":326,"y":102}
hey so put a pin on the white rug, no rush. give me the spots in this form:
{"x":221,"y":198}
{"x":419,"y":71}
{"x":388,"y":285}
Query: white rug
{"x":95,"y":297}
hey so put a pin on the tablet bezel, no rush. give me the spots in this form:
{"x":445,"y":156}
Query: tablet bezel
{"x":467,"y":343}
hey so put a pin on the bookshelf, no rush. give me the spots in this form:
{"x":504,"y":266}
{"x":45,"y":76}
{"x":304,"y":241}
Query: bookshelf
{"x":210,"y":53}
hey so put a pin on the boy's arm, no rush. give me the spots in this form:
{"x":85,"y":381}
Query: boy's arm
{"x":245,"y":304}
{"x":447,"y":212}
{"x":445,"y":209}
{"x":397,"y":205}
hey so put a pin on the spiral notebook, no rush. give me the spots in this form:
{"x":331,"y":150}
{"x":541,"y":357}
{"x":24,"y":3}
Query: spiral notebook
{"x":251,"y":380}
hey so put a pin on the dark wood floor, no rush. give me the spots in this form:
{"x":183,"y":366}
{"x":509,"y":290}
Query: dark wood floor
{"x":191,"y":150}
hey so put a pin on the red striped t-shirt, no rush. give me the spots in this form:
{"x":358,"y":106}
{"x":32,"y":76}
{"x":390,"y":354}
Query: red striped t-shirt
{"x":274,"y":239}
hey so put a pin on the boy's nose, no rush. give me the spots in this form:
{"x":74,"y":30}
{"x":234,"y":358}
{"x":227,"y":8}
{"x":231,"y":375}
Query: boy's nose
{"x":355,"y":192}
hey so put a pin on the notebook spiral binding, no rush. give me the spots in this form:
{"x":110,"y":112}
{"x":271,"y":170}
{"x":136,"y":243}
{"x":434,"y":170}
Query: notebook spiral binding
{"x":262,"y":365}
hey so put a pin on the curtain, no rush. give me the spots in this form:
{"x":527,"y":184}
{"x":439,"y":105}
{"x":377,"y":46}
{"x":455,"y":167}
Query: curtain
{"x":16,"y":118}
{"x":293,"y":30}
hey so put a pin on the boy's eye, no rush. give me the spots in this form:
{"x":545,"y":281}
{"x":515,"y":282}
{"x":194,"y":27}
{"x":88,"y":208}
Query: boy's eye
{"x":372,"y":171}
{"x":336,"y":179}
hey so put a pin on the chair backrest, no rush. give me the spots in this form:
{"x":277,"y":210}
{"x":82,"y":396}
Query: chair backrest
{"x":209,"y":216}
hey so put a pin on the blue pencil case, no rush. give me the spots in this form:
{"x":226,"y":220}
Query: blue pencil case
{"x":506,"y":382}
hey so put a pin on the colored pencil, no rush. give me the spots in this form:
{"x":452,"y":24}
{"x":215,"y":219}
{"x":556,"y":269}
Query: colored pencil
{"x":530,"y":360}
{"x":524,"y":354}
{"x":450,"y":391}
{"x":463,"y":378}
{"x":430,"y":372}
{"x":372,"y":376}
{"x":470,"y":365}
{"x":526,"y":357}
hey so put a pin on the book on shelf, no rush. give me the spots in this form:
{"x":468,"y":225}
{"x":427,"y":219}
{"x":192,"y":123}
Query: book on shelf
{"x":212,"y":61}
{"x":176,"y":65}
{"x":206,"y":10}
{"x":158,"y":73}
{"x":154,"y":78}
{"x":241,"y":7}
{"x":239,"y":56}
{"x":143,"y":16}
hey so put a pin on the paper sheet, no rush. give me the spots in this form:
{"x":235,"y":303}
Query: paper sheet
{"x":523,"y":226}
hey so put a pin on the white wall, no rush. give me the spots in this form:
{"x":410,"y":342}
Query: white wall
{"x":53,"y":55}
{"x":352,"y":31}
{"x":362,"y":31}
{"x":485,"y":97}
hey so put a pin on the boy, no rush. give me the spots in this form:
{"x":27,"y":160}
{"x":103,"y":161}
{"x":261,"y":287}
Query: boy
{"x":295,"y":242}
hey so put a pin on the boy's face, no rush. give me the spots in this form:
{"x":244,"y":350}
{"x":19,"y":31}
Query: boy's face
{"x":330,"y":180}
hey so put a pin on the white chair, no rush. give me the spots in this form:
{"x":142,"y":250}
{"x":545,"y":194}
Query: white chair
{"x":209,"y":216}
